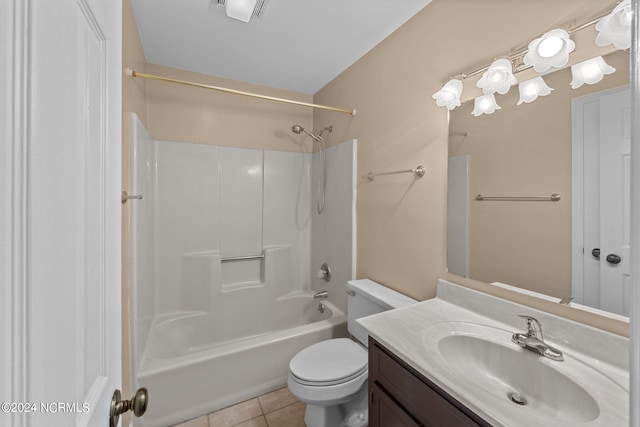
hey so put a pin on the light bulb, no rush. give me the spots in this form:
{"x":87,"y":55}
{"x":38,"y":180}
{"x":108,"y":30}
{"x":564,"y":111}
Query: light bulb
{"x":449,"y":95}
{"x":615,"y":28}
{"x":532,"y":89}
{"x":550,"y":46}
{"x":590,"y":71}
{"x":498,"y":77}
{"x":549,"y":51}
{"x":485,"y":104}
{"x":625,"y":17}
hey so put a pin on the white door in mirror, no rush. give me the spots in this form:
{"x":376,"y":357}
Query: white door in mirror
{"x":601,"y":200}
{"x":615,"y":194}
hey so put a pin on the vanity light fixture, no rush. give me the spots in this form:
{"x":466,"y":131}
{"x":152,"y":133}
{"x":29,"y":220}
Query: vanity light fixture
{"x":240,"y":9}
{"x":590,"y":71}
{"x":498,"y":78}
{"x":551,"y":50}
{"x":531,"y":89}
{"x":546,"y":53}
{"x":485,"y":104}
{"x":615,"y":28}
{"x":449,"y":95}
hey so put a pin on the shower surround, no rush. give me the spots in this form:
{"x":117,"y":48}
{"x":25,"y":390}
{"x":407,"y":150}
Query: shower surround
{"x":225,"y":247}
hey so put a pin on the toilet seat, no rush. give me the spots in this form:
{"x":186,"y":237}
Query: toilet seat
{"x":330,"y":362}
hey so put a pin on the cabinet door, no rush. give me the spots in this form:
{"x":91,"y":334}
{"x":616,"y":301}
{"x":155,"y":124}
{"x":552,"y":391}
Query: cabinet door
{"x":384,"y":412}
{"x":418,"y":398}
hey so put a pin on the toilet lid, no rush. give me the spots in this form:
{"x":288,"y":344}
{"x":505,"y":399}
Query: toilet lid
{"x":332,"y":361}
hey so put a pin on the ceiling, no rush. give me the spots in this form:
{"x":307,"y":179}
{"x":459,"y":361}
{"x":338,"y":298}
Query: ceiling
{"x":300,"y":45}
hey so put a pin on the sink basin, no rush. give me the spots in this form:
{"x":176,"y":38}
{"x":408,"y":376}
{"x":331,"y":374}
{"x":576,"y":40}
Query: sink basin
{"x":483,"y":362}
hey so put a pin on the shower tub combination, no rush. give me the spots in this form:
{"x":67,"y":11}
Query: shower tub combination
{"x":190,"y":371}
{"x":222,"y":249}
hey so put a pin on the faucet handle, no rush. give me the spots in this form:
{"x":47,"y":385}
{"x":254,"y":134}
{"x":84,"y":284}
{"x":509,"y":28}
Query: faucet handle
{"x":534,"y":329}
{"x":324,"y":273}
{"x":566,"y":300}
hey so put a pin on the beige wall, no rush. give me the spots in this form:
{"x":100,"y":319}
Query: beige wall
{"x":134,"y":100}
{"x":401,"y":222}
{"x":188,"y":114}
{"x":524,"y":150}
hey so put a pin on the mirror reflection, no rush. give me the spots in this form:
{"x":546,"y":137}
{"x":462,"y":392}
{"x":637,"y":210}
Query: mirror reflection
{"x":574,"y":143}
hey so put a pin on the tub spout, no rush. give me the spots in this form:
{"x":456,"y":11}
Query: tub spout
{"x":320,"y":295}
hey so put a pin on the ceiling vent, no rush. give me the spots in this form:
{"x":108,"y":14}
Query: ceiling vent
{"x":257,"y":11}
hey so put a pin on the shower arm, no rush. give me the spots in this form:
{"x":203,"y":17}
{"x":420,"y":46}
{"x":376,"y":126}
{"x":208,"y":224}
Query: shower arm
{"x":317,"y":137}
{"x":328,"y":128}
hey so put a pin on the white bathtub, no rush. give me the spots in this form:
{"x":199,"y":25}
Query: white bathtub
{"x":192,"y":365}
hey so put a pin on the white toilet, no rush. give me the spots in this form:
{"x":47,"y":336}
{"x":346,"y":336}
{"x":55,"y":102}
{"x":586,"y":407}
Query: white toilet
{"x":331,"y":376}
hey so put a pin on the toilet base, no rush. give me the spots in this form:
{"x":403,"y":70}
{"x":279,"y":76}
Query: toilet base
{"x":354,"y":413}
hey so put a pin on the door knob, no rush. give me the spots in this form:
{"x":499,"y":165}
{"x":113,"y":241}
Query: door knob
{"x":613,"y":259}
{"x":596,"y":253}
{"x":118,"y":407}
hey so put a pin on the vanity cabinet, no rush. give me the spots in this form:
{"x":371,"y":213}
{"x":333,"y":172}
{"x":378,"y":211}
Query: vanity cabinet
{"x":399,"y":396}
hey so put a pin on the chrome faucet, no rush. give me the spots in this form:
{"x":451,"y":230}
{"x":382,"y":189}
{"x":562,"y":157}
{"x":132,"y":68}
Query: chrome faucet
{"x":320,"y":295}
{"x":533,"y":340}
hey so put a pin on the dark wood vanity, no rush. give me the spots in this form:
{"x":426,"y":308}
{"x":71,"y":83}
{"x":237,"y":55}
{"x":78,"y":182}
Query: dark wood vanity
{"x":399,"y":396}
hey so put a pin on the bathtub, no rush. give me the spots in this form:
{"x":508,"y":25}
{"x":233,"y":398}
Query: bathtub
{"x":195,"y":362}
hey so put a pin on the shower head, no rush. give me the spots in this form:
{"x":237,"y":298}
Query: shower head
{"x":322,"y":176}
{"x":298,"y":129}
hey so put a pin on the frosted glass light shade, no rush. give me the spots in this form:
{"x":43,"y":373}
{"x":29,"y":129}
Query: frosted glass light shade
{"x":449,"y":95}
{"x":590,"y":71}
{"x":498,"y":78}
{"x":485,"y":104}
{"x":615,"y":28}
{"x":532,"y":89}
{"x":549,"y":51}
{"x":240,"y":9}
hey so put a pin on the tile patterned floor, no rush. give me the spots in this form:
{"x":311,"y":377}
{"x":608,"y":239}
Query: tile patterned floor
{"x":276,"y":409}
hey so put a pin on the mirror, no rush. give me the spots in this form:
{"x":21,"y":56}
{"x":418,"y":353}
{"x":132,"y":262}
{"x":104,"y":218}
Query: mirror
{"x":525,"y":151}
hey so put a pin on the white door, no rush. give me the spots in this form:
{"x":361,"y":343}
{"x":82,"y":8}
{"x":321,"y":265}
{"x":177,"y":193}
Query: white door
{"x":60,"y":211}
{"x":601,"y":200}
{"x":615,"y":203}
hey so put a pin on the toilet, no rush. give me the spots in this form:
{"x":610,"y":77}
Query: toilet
{"x":331,"y":376}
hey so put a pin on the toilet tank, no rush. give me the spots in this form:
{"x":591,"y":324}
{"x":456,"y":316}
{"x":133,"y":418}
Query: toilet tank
{"x":367,"y":298}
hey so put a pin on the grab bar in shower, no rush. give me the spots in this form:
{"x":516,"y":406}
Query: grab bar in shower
{"x":552,"y":198}
{"x":241,"y":258}
{"x":126,"y":196}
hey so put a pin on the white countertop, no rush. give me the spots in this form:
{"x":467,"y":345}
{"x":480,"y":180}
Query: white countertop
{"x":403,"y":332}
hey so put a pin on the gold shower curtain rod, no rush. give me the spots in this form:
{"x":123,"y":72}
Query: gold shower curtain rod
{"x":133,"y":73}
